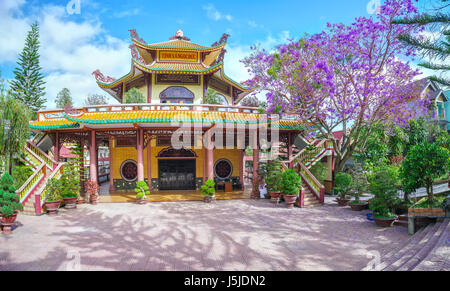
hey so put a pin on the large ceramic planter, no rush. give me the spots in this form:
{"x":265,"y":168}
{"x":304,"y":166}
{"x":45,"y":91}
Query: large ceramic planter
{"x":209,"y":199}
{"x":275,"y":197}
{"x":94,"y":199}
{"x":290,"y":200}
{"x":384,"y":222}
{"x":358,"y":207}
{"x":141,"y":201}
{"x":7,"y":222}
{"x":52,"y":207}
{"x":342,"y":202}
{"x":70,"y":203}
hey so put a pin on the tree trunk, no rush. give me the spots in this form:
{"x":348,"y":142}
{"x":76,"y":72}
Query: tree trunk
{"x":430,"y":193}
{"x":10,"y":163}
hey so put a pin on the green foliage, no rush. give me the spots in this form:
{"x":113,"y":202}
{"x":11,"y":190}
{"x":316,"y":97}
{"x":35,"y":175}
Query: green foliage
{"x":53,"y":188}
{"x":212,"y":97}
{"x":359,"y":183}
{"x":383,"y":187}
{"x":273,"y":175}
{"x":291,"y":182}
{"x":95,"y":99}
{"x":444,"y":140}
{"x":342,"y":184}
{"x":320,"y":171}
{"x":9,"y":200}
{"x":134,"y":96}
{"x":71,"y":178}
{"x":209,"y":188}
{"x":423,"y":164}
{"x":63,"y":98}
{"x":142,"y":190}
{"x":424,"y":203}
{"x":21,"y":174}
{"x":28,"y":83}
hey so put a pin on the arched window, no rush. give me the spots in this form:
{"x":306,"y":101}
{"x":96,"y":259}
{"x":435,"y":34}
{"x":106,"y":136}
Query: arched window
{"x":223,"y":99}
{"x":176,"y":94}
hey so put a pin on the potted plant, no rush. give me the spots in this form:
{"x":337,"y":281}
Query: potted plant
{"x":342,"y":183}
{"x":359,"y":185}
{"x":9,"y":202}
{"x":70,"y":185}
{"x":273,"y":179}
{"x":92,"y":189}
{"x":290,"y":186}
{"x":142,"y":190}
{"x":53,"y":197}
{"x":209,"y":191}
{"x":382,"y":186}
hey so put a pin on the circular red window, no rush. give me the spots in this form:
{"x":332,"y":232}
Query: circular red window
{"x":128,"y":170}
{"x":223,"y":169}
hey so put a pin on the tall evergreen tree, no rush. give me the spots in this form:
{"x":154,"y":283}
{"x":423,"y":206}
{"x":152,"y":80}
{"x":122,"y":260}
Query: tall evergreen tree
{"x":28,"y":84}
{"x":63,"y":98}
{"x":437,"y":49}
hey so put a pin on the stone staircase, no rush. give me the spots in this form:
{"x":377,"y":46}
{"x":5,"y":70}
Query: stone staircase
{"x":428,"y":249}
{"x":29,"y":207}
{"x":310,"y":199}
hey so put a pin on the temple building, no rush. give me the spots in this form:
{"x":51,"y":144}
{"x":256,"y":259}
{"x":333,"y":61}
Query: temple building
{"x":143,"y":140}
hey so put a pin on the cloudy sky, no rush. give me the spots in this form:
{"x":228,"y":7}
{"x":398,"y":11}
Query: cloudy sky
{"x":75,"y":42}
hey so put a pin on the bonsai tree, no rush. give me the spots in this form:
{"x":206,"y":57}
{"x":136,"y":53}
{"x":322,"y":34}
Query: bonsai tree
{"x":422,"y":165}
{"x":142,"y":190}
{"x":208,"y":189}
{"x":383,"y":187}
{"x":291,"y":182}
{"x":342,"y":183}
{"x":359,"y":184}
{"x":9,"y":200}
{"x":273,"y":176}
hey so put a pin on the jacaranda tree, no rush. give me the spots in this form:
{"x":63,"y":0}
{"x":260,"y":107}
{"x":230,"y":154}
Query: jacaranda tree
{"x":348,"y":77}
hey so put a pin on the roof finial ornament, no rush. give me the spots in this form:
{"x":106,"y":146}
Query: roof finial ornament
{"x":135,"y":35}
{"x":179,"y":35}
{"x":222,"y":40}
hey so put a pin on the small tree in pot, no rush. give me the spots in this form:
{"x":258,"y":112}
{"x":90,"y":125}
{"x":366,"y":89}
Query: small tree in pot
{"x":290,"y":186}
{"x":359,"y":185}
{"x":9,"y":202}
{"x":383,"y":186}
{"x":273,"y":178}
{"x":342,"y":184}
{"x":142,"y":190}
{"x":209,"y":191}
{"x":53,"y":197}
{"x":70,"y":185}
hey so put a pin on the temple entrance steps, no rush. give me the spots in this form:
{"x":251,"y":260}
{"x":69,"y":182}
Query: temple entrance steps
{"x":310,"y":199}
{"x":427,"y":250}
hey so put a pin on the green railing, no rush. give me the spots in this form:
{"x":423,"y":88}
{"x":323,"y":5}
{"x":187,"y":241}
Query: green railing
{"x":57,"y":172}
{"x":51,"y":163}
{"x":308,"y":157}
{"x":316,"y":187}
{"x":32,"y":182}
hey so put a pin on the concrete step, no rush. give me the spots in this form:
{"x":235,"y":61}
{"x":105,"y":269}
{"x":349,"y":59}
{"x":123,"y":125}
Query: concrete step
{"x":407,"y":252}
{"x":424,"y":251}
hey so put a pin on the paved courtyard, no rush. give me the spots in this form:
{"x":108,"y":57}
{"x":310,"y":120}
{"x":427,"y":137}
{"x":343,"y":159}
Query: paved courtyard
{"x":225,"y":235}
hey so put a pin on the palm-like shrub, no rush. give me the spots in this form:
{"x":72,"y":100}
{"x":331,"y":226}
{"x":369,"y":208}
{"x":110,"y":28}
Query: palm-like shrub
{"x":290,"y":182}
{"x":142,"y":190}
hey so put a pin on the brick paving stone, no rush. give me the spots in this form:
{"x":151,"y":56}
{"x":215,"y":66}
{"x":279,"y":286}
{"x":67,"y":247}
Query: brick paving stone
{"x":224,"y":235}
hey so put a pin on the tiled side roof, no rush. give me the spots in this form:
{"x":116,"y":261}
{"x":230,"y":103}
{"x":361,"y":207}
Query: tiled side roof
{"x":179,"y":44}
{"x":59,"y":123}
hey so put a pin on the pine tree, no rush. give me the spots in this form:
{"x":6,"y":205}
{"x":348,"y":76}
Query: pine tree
{"x":63,"y":98}
{"x":436,"y":49}
{"x":28,"y":84}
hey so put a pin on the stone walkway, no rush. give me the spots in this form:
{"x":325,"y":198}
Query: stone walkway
{"x":225,"y":235}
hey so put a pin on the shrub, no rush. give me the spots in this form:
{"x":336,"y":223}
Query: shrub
{"x":208,"y":189}
{"x":7,"y":211}
{"x":382,"y":186}
{"x":53,"y":189}
{"x":20,"y":175}
{"x":290,"y":182}
{"x":342,"y":183}
{"x":8,"y":196}
{"x":319,"y":171}
{"x":142,"y":190}
{"x":273,"y":176}
{"x":359,"y":183}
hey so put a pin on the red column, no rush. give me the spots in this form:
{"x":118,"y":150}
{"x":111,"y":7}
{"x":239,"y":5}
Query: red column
{"x":111,"y":167}
{"x":205,"y":165}
{"x":149,"y":87}
{"x":255,"y":180}
{"x":210,"y":154}
{"x":242,"y":168}
{"x":140,"y":154}
{"x":149,"y":164}
{"x":56,"y":153}
{"x":93,"y":158}
{"x":290,"y":150}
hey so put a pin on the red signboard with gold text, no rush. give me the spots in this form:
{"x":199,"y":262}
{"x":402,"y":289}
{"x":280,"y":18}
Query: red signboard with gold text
{"x":178,"y":56}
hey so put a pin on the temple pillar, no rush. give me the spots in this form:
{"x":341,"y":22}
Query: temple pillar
{"x":210,"y":154}
{"x":111,"y":166}
{"x":255,"y":179}
{"x":242,"y":168}
{"x":93,"y":159}
{"x":140,"y":154}
{"x":290,"y":149}
{"x":56,"y":152}
{"x":148,"y":78}
{"x":82,"y":184}
{"x":205,"y":165}
{"x":149,"y":165}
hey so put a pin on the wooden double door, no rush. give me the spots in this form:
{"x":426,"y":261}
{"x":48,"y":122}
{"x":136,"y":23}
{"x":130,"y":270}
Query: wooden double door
{"x":176,"y":174}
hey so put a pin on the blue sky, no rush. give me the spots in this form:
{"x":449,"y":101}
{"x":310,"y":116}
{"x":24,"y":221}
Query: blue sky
{"x":74,"y":45}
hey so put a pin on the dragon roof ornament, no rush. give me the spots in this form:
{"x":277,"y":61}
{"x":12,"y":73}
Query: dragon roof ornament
{"x":101,"y":78}
{"x":135,"y":35}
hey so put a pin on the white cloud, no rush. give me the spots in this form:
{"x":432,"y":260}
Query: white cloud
{"x":126,"y":13}
{"x":214,"y":14}
{"x":70,"y":51}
